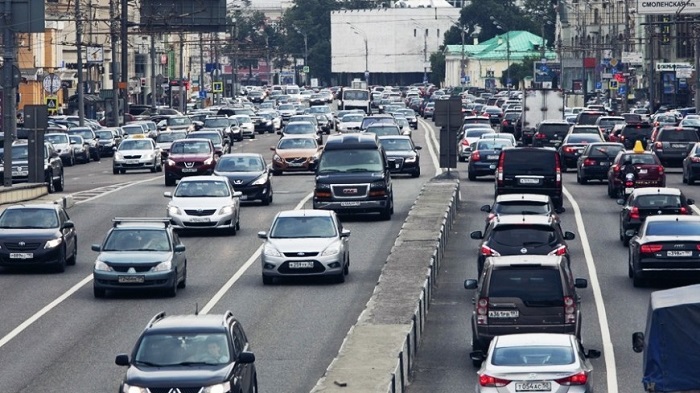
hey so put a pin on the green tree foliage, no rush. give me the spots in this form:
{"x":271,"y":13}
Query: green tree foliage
{"x":437,"y":65}
{"x":518,"y":72}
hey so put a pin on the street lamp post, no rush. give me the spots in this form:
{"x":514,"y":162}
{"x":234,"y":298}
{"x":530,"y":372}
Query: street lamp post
{"x":364,"y":37}
{"x":306,"y":51}
{"x":504,"y":28}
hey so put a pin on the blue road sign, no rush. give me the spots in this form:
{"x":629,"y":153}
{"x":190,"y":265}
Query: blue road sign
{"x":544,"y":68}
{"x":202,"y":94}
{"x":467,"y":79}
{"x":622,"y":89}
{"x":598,"y":85}
{"x":464,"y":79}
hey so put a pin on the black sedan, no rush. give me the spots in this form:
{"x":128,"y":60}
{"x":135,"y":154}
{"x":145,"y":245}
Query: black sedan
{"x":37,"y":235}
{"x":247,"y":173}
{"x":572,"y":146}
{"x":664,"y":245}
{"x":484,"y":156}
{"x":402,"y":154}
{"x":595,"y":160}
{"x":644,"y":202}
{"x":691,"y":165}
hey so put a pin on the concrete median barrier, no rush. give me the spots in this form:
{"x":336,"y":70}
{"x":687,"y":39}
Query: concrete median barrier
{"x":378,"y":352}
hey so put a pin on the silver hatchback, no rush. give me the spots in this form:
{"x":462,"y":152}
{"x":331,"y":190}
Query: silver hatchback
{"x":305,"y":243}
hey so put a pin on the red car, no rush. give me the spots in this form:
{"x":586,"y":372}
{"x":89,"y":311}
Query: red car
{"x":189,"y":157}
{"x":649,"y":169}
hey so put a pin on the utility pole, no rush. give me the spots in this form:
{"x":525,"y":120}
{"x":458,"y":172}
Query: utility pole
{"x":425,"y":56}
{"x":125,"y":53}
{"x":78,"y":63}
{"x":115,"y":73}
{"x":696,"y":30}
{"x":9,"y":121}
{"x":154,"y":88}
{"x":201,"y":68}
{"x":183,"y":104}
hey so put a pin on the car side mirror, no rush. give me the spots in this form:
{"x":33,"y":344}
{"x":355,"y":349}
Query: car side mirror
{"x":168,"y":194}
{"x":569,"y":235}
{"x":246,"y":357}
{"x":581,"y":283}
{"x":592,"y":354}
{"x":690,"y":201}
{"x":180,"y":248}
{"x":345,"y":233}
{"x":262,"y":235}
{"x":96,"y":247}
{"x":419,"y":147}
{"x":485,"y":208}
{"x":620,"y":202}
{"x":477,"y":356}
{"x":476,"y":235}
{"x":122,"y":360}
{"x":54,"y":155}
{"x":560,"y":210}
{"x":237,"y":194}
{"x":68,"y":225}
{"x":638,"y":342}
{"x":312,"y":166}
{"x":519,"y":144}
{"x":630,"y":232}
{"x":272,"y":148}
{"x":470,"y":283}
{"x":114,"y":148}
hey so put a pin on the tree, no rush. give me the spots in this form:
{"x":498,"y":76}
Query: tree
{"x":437,"y":65}
{"x":477,"y":17}
{"x":519,"y":71}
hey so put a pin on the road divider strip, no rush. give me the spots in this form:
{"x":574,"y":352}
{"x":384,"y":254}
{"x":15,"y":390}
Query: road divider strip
{"x":378,"y":352}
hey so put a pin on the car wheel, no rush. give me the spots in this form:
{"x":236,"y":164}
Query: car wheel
{"x":122,"y":171}
{"x":71,"y":160}
{"x":252,"y":136}
{"x":74,"y":257}
{"x":462,"y":159}
{"x":471,"y":175}
{"x":564,"y":168}
{"x":611,"y":192}
{"x":86,"y":159}
{"x":154,"y":169}
{"x":267,"y":280}
{"x":276,"y":172}
{"x":96,"y":156}
{"x":61,"y":182}
{"x":638,"y":280}
{"x":416,"y":173}
{"x":183,"y":283}
{"x":583,"y":180}
{"x":50,"y":183}
{"x":346,"y":269}
{"x":115,"y":171}
{"x":99,"y":292}
{"x":267,"y":200}
{"x":160,"y":167}
{"x":691,"y":181}
{"x":684,"y":180}
{"x":169,"y":182}
{"x":386,"y":213}
{"x":239,"y":139}
{"x":172,"y":291}
{"x":339,"y":278}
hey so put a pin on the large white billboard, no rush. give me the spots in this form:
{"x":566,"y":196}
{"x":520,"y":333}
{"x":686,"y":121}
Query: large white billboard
{"x":661,"y":7}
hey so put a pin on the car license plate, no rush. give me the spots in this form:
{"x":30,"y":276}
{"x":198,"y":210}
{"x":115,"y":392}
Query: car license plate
{"x":189,"y":170}
{"x":533,"y":386}
{"x":679,"y":253}
{"x":643,"y":171}
{"x":295,"y":164}
{"x":397,"y":165}
{"x":554,"y":141}
{"x":22,"y":173}
{"x":301,"y":265}
{"x":132,"y":161}
{"x":628,"y":190}
{"x":678,"y":145}
{"x":21,"y":255}
{"x":131,"y":279}
{"x":503,"y":313}
{"x":244,"y":197}
{"x":604,"y":163}
{"x":529,"y":181}
{"x":199,"y":219}
{"x":492,"y":157}
{"x":349,"y":203}
{"x":492,"y":166}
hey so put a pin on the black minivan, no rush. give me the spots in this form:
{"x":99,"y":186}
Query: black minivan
{"x":534,"y":170}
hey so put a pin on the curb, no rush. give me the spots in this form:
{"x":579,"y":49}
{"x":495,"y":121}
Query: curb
{"x":378,"y":352}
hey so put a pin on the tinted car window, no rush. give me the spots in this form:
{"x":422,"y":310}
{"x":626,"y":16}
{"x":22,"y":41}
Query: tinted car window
{"x":521,"y":207}
{"x":551,"y":129}
{"x":588,"y":118}
{"x":673,"y":228}
{"x":658,"y":201}
{"x":637,"y":131}
{"x":523,"y":235}
{"x":641,"y":159}
{"x":533,"y":286}
{"x":530,"y":162}
{"x":682,"y":135}
{"x":29,"y":218}
{"x":351,"y":161}
{"x":604,"y":151}
{"x":295,"y":227}
{"x":527,"y":356}
{"x":583,"y":138}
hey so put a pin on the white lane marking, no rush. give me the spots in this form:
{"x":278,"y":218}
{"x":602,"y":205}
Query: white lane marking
{"x":608,"y":350}
{"x":695,"y":209}
{"x":116,"y":189}
{"x":429,"y":137}
{"x":239,"y":273}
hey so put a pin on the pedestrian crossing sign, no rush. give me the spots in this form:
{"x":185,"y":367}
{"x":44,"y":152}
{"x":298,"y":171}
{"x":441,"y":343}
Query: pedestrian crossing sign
{"x":52,"y":104}
{"x":218,"y":87}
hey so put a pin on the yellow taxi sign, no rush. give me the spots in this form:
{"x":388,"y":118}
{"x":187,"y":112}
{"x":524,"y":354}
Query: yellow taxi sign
{"x":137,"y":136}
{"x":638,"y":148}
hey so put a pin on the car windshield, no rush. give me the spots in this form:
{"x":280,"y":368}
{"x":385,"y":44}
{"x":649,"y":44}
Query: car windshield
{"x":585,"y":130}
{"x":637,"y":131}
{"x":131,"y":239}
{"x":295,"y":227}
{"x":534,"y":286}
{"x":351,"y":160}
{"x":182,"y":349}
{"x":165,"y":137}
{"x":402,"y":122}
{"x":215,"y":123}
{"x":477,"y":132}
{"x":179,"y":121}
{"x":352,"y":118}
{"x":673,"y":228}
{"x":524,"y":235}
{"x":214,"y":137}
{"x":355,"y":95}
{"x":678,"y":135}
{"x":553,"y":129}
{"x":287,"y":107}
{"x":300,"y":128}
{"x":101,"y":135}
{"x":58,"y":138}
{"x":529,"y":356}
{"x":639,"y":159}
{"x":407,"y":112}
{"x":610,"y":122}
{"x":319,"y":109}
{"x":532,"y":162}
{"x":297,"y":143}
{"x":75,"y":139}
{"x":190,"y":147}
{"x":395,"y":144}
{"x":136,"y":144}
{"x":583,"y":138}
{"x":243,"y":119}
{"x":240,"y":164}
{"x":131,"y":130}
{"x":86,"y":134}
{"x":202,"y":189}
{"x":691,"y":122}
{"x":26,"y":218}
{"x":521,"y":207}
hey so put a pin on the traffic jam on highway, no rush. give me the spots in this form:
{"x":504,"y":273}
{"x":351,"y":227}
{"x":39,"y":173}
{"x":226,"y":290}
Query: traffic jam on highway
{"x":216,"y":165}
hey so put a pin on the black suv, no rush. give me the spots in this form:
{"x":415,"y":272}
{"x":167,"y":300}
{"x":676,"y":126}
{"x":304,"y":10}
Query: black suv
{"x":644,"y":202}
{"x":352,"y":176}
{"x":190,"y":353}
{"x":550,"y":133}
{"x":520,"y":235}
{"x":530,"y":170}
{"x":524,"y":294}
{"x":631,"y":133}
{"x":672,"y":144}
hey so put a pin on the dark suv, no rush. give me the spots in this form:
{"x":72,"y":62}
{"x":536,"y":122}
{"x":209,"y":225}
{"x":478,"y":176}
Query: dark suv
{"x":672,"y":144}
{"x":522,"y":234}
{"x":530,"y":170}
{"x":352,"y":176}
{"x":524,"y":294}
{"x":550,"y":133}
{"x":190,"y":353}
{"x":631,"y":133}
{"x":644,"y":202}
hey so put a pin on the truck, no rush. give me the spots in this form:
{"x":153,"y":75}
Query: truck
{"x":671,"y":343}
{"x":358,"y":84}
{"x":539,"y":105}
{"x":353,"y":98}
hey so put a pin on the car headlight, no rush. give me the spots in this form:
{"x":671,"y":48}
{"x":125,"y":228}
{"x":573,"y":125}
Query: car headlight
{"x":333,"y":249}
{"x":148,"y":156}
{"x":378,"y":184}
{"x":163,"y":267}
{"x":226,"y":210}
{"x":208,"y":161}
{"x":118,"y":156}
{"x":260,"y":180}
{"x":133,"y":389}
{"x":218,"y":388}
{"x":170,"y":162}
{"x":174,"y":210}
{"x":271,"y":251}
{"x":411,"y":159}
{"x":323,"y":186}
{"x":103,"y":267}
{"x":277,"y":158}
{"x":53,"y":243}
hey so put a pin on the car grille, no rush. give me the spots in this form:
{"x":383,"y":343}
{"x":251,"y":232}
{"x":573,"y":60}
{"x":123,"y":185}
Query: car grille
{"x":318,"y":268}
{"x":22,"y":247}
{"x":208,"y":224}
{"x":300,"y":254}
{"x":296,"y":160}
{"x":168,"y":390}
{"x":125,"y":268}
{"x":190,"y":164}
{"x":200,"y":212}
{"x":132,"y":157}
{"x":395,"y":163}
{"x":350,"y":190}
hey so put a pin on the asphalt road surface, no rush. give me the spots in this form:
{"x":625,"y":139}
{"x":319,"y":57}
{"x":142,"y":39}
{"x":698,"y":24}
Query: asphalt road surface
{"x":54,"y":336}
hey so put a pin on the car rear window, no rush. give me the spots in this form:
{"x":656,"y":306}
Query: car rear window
{"x":529,"y":162}
{"x":605,"y":151}
{"x":477,"y":133}
{"x":673,"y":228}
{"x":678,"y":135}
{"x":477,"y":121}
{"x":658,"y":201}
{"x":521,"y":207}
{"x":535,"y":286}
{"x":637,"y":131}
{"x":532,"y":355}
{"x":632,"y":118}
{"x":640,"y":159}
{"x":523,"y":235}
{"x":584,"y":138}
{"x":551,"y":129}
{"x":588,"y":118}
{"x":511,"y":115}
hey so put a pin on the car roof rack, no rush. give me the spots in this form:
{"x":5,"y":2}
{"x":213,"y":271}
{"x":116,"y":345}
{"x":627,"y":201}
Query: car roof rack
{"x":120,"y":220}
{"x":155,"y":319}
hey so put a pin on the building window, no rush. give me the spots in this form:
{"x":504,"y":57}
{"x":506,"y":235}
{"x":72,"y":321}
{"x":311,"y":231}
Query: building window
{"x":438,"y":33}
{"x":414,"y":32}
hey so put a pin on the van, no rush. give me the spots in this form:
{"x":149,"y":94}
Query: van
{"x":532,"y":170}
{"x":352,"y":176}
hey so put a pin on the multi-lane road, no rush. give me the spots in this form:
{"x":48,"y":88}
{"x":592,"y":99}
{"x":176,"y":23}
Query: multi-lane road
{"x":54,"y":336}
{"x":612,"y":308}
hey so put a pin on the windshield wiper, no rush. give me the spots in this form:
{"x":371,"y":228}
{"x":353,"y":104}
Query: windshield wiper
{"x":358,"y":170}
{"x":329,"y":170}
{"x":145,"y":363}
{"x":192,"y":364}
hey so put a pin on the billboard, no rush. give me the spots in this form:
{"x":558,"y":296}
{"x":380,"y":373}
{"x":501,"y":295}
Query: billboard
{"x":183,"y":16}
{"x":666,"y":7}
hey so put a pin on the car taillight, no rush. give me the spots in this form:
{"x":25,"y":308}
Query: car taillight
{"x":616,"y":168}
{"x":499,"y":171}
{"x":489,"y":252}
{"x":493,"y":382}
{"x":465,"y":142}
{"x":505,"y":122}
{"x":482,"y":311}
{"x":569,"y":310}
{"x":629,"y":183}
{"x":490,"y":217}
{"x":684,"y":210}
{"x":576,"y":379}
{"x":695,"y":159}
{"x":475,"y":156}
{"x":634,"y":213}
{"x":540,"y":135}
{"x":559,"y":251}
{"x":660,"y":168}
{"x":568,"y":149}
{"x":697,"y":246}
{"x":588,"y":162}
{"x":659,"y":145}
{"x":558,"y":164}
{"x":622,"y":138}
{"x":650,"y":248}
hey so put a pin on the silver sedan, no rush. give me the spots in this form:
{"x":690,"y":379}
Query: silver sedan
{"x":305,"y":243}
{"x":535,"y":362}
{"x":204,"y":202}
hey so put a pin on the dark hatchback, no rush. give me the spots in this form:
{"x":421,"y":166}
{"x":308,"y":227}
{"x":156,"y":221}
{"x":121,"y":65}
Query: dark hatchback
{"x":631,"y":133}
{"x":650,"y":172}
{"x":247,"y":173}
{"x":672,"y":144}
{"x":550,"y":133}
{"x":533,"y":170}
{"x":484,"y":156}
{"x":691,"y":165}
{"x":510,"y":120}
{"x":595,"y":160}
{"x":401,"y":154}
{"x":37,"y":235}
{"x":190,"y":353}
{"x":572,"y":146}
{"x":644,"y":202}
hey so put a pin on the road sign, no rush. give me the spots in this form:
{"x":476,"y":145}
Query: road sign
{"x":305,"y":69}
{"x":218,"y":87}
{"x":622,"y":89}
{"x":598,"y":85}
{"x":202,"y":94}
{"x":613,"y":85}
{"x":52,"y":103}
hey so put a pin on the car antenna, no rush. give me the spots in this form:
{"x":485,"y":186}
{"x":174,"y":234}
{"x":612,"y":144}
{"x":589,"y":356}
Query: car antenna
{"x":196,"y":308}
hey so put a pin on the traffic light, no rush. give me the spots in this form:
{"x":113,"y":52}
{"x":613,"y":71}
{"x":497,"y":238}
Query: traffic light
{"x":143,"y":82}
